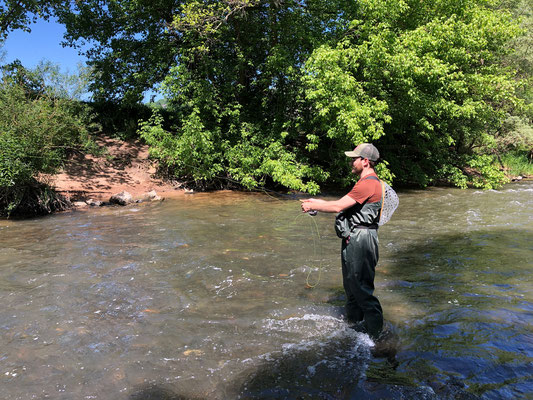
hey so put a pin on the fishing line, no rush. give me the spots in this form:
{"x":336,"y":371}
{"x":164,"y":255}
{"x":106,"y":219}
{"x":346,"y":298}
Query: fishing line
{"x":315,"y":234}
{"x":308,"y":285}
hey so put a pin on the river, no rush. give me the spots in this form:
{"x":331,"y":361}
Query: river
{"x":227,"y":295}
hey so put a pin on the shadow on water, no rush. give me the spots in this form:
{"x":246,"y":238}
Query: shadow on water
{"x":157,"y":392}
{"x":480,"y":270}
{"x":462,"y":336}
{"x":320,"y":371}
{"x":462,"y":302}
{"x":301,"y":376}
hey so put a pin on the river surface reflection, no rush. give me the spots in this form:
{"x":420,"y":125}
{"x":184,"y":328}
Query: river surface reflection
{"x":207,"y":297}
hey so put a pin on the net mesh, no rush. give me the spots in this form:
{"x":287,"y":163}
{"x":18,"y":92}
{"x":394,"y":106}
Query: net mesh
{"x":390,"y":203}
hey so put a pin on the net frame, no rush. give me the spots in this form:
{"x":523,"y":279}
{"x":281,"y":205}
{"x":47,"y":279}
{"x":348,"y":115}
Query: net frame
{"x":389,"y":203}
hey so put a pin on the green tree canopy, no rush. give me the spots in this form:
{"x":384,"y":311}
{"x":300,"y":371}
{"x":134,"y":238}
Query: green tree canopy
{"x":271,"y":92}
{"x":128,"y":41}
{"x":20,"y":14}
{"x":432,"y":94}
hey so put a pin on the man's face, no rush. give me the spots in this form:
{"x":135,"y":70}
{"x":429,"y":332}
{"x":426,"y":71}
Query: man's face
{"x":357,"y":165}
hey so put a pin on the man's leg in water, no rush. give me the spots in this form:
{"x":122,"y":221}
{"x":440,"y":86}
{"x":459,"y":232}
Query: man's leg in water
{"x":359,"y":259}
{"x":354,"y":313}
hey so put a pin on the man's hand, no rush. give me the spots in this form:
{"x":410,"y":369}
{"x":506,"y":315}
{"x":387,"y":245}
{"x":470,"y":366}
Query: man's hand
{"x":306,"y":205}
{"x":309,"y":204}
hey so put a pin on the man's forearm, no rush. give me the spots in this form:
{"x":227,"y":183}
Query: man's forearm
{"x":332,"y":206}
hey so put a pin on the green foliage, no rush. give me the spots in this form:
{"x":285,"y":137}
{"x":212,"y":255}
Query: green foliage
{"x":237,"y":86}
{"x":274,"y":92}
{"x":384,"y":173}
{"x":518,"y":163}
{"x":20,"y":14}
{"x":192,"y":153}
{"x":521,"y":56}
{"x":431,"y":96}
{"x":36,"y":132}
{"x":202,"y":158}
{"x":120,"y":120}
{"x":516,"y":134}
{"x":132,"y":46}
{"x":487,"y":174}
{"x":46,"y":79}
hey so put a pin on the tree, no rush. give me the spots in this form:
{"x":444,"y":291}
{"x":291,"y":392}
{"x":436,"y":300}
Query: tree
{"x":20,"y":14}
{"x":237,"y":86}
{"x":38,"y":126}
{"x":516,"y":132}
{"x":431,"y":92}
{"x":130,"y":46}
{"x":271,"y":92}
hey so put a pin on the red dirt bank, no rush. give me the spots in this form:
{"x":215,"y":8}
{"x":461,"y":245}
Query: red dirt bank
{"x":124,"y":166}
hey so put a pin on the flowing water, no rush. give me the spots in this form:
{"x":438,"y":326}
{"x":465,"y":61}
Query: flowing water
{"x":208,"y":297}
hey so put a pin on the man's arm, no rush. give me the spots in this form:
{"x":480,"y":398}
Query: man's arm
{"x":333,"y":206}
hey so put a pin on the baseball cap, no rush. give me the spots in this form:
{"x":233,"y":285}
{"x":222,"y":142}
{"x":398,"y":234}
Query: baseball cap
{"x":365,"y":150}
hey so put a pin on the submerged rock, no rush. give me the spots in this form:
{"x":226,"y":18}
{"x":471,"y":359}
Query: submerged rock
{"x":122,"y":198}
{"x":94,"y":203}
{"x":151,"y":196}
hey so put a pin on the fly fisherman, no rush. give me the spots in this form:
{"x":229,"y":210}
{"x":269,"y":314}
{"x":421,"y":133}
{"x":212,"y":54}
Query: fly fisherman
{"x":357,"y":224}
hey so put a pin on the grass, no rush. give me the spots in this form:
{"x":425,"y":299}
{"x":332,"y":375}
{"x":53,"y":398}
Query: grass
{"x":516,"y":163}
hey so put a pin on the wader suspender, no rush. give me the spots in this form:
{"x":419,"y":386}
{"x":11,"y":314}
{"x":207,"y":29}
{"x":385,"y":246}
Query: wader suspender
{"x":382,"y":193}
{"x":382,"y":199}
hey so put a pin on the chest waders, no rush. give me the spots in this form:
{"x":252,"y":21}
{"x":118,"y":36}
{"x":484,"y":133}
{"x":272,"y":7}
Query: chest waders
{"x":357,"y":226}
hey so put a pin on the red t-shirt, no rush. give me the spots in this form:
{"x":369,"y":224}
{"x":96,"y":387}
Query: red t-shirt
{"x":366,"y":190}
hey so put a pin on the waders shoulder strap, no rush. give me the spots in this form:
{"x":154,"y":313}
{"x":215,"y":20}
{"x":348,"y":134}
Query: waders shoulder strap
{"x":382,"y":198}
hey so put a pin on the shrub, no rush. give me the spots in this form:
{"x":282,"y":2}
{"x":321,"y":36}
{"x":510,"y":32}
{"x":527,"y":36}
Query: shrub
{"x":36,"y":134}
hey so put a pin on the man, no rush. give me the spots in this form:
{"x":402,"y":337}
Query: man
{"x":357,"y":224}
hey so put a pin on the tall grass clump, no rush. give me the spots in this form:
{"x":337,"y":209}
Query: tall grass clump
{"x":518,"y":163}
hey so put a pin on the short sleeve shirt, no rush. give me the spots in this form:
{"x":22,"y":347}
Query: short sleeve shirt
{"x":366,"y":190}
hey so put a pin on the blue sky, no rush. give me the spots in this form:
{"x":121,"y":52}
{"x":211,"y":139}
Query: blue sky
{"x":43,"y":43}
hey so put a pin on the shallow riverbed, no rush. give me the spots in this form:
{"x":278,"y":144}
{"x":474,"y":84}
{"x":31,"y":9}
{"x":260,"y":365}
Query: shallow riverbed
{"x":208,"y":297}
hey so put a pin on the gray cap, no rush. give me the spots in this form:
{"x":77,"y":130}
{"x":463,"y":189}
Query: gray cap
{"x":365,"y":150}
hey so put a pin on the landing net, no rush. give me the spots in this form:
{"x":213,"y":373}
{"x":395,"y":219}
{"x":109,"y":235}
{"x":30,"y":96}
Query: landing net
{"x":389,"y":203}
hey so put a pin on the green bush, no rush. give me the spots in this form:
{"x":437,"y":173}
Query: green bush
{"x":431,"y":94}
{"x":206,"y":159}
{"x":36,"y":134}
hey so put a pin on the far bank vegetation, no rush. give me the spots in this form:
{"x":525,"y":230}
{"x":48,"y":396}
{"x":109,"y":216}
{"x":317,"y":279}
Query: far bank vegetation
{"x":270,"y":94}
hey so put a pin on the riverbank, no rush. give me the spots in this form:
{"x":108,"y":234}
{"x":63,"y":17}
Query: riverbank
{"x":122,"y":166}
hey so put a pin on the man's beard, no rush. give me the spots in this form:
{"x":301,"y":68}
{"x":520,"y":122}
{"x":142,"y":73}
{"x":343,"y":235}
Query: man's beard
{"x":357,"y":170}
